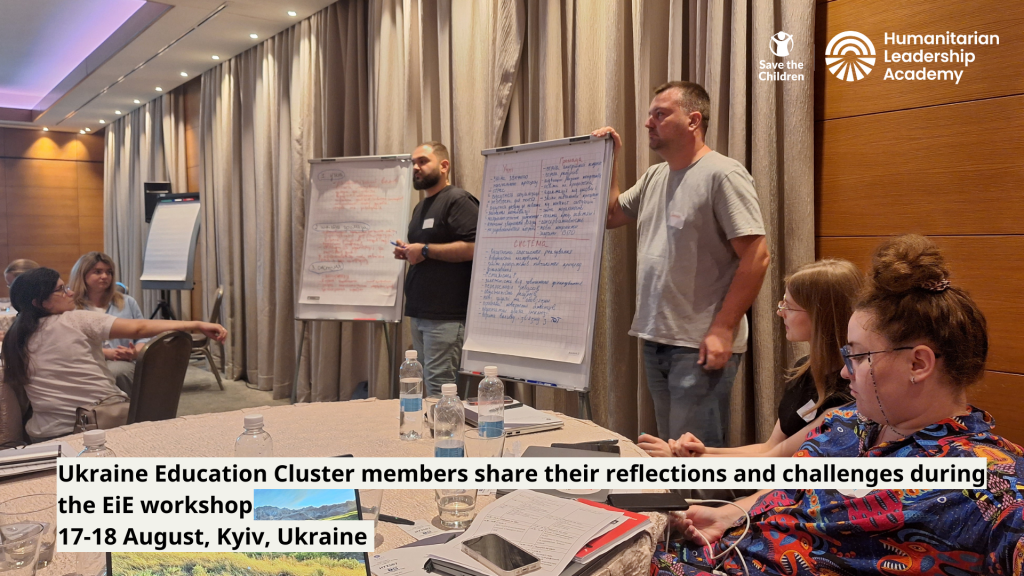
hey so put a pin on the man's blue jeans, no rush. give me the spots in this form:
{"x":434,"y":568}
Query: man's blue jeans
{"x":438,"y":345}
{"x":686,"y":397}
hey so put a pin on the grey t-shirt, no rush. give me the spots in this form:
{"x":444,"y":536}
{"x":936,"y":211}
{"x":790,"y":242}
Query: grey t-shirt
{"x":685,"y":263}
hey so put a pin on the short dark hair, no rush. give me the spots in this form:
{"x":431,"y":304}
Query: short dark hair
{"x":692,"y":97}
{"x":438,"y":149}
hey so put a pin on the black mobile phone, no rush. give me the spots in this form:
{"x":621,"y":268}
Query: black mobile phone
{"x":500,"y":555}
{"x":593,"y":446}
{"x":664,"y":502}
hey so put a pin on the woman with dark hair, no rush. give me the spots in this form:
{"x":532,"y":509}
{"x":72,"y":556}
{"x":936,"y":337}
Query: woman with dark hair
{"x":816,"y":308}
{"x":54,"y":352}
{"x":92,"y":280}
{"x":916,"y":343}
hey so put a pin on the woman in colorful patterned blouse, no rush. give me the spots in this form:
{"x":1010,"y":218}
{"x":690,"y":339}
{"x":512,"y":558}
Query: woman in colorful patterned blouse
{"x":916,"y":342}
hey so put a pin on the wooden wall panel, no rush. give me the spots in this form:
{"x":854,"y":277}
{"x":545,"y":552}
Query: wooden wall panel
{"x":51,"y":197}
{"x":991,"y":268}
{"x":996,"y":72}
{"x":939,"y":170}
{"x":999,"y":394}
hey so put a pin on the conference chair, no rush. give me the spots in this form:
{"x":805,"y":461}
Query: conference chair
{"x":159,"y":376}
{"x":201,"y":344}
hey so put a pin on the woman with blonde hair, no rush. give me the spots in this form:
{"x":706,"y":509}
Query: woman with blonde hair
{"x":816,"y":308}
{"x":93,"y":280}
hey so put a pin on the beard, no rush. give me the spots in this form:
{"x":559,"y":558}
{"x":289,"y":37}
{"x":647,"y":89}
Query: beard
{"x":426,"y":181}
{"x":654,"y":142}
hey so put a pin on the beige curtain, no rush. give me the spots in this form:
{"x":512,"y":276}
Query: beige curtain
{"x":264,"y":115}
{"x":144,"y":145}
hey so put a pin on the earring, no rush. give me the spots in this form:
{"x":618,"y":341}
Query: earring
{"x":912,"y":381}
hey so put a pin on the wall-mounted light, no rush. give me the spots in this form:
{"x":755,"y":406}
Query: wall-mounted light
{"x":254,"y":36}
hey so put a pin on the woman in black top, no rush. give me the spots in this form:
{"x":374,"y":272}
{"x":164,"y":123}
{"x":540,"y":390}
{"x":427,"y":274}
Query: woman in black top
{"x":816,"y":309}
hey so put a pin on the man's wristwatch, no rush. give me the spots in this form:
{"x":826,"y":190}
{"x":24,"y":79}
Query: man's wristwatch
{"x":425,"y":251}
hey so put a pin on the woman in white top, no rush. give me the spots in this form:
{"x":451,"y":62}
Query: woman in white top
{"x":54,"y":352}
{"x":92,"y":280}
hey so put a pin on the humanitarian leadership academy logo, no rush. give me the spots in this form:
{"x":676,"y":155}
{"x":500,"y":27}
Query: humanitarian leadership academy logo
{"x":850,"y":56}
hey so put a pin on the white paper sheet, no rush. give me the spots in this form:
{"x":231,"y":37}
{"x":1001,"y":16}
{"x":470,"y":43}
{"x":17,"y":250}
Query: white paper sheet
{"x":552,"y":529}
{"x":170,"y":239}
{"x":536,"y":240}
{"x":356,"y":211}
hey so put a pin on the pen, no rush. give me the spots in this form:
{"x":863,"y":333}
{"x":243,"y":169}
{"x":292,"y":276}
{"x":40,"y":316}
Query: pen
{"x":394,"y":520}
{"x":393,"y":243}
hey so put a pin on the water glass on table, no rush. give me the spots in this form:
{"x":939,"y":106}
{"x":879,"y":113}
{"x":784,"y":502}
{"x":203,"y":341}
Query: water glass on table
{"x":33,"y":509}
{"x":20,"y":545}
{"x":480,"y":446}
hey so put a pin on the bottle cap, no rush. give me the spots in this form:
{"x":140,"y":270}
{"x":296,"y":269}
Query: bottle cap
{"x":254,"y":420}
{"x":491,"y":371}
{"x":410,"y":354}
{"x":449,"y":390}
{"x":95,"y":438}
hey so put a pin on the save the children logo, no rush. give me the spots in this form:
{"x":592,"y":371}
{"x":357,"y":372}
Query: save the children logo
{"x":781,"y":44}
{"x":850,"y":56}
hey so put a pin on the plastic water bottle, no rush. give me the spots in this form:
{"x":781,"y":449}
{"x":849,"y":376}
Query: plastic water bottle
{"x":449,"y":425}
{"x":410,"y":424}
{"x":254,"y":442}
{"x":96,"y":445}
{"x":491,"y":404}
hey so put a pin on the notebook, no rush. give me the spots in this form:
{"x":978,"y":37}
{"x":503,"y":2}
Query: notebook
{"x":520,"y":420}
{"x":269,"y":504}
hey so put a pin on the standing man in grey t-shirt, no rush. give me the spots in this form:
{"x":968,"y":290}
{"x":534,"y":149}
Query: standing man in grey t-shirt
{"x":701,"y":259}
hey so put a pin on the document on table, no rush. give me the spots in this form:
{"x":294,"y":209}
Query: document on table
{"x":552,"y":529}
{"x":409,"y":561}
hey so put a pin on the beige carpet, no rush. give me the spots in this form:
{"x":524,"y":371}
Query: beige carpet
{"x":201,"y":395}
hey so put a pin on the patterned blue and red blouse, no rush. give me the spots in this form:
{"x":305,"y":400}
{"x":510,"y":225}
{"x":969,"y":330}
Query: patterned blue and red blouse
{"x":890,"y":532}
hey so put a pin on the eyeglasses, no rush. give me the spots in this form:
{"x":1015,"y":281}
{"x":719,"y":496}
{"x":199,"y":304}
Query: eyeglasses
{"x":65,"y":289}
{"x":853,"y":360}
{"x":782,"y":306}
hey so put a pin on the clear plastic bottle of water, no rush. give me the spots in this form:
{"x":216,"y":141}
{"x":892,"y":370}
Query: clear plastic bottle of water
{"x":96,"y":445}
{"x":410,"y":374}
{"x":254,"y":441}
{"x":491,"y":404}
{"x":449,"y":424}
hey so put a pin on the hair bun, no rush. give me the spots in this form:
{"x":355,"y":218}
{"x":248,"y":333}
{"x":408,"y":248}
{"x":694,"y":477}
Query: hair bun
{"x":909,"y":262}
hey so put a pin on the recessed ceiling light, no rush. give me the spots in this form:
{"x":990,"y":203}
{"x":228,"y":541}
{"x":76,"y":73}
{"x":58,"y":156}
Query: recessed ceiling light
{"x":118,"y":112}
{"x":292,"y":13}
{"x":45,"y":129}
{"x":81,"y":131}
{"x":253,"y":36}
{"x":88,"y":129}
{"x":184,"y":74}
{"x":159,"y":89}
{"x":215,"y":57}
{"x":103,"y":121}
{"x":136,"y":101}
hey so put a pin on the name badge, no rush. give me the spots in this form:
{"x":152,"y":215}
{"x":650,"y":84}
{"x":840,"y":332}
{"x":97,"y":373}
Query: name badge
{"x":855,"y":493}
{"x":807,"y":411}
{"x":428,"y":223}
{"x":676,"y":220}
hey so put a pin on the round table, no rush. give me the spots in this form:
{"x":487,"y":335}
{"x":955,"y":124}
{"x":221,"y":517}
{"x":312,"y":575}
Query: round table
{"x":363,"y":428}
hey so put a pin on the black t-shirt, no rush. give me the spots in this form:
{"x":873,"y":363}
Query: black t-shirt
{"x":800,"y":392}
{"x":436,"y":290}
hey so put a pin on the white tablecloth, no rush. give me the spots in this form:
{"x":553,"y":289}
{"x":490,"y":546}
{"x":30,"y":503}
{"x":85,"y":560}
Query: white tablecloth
{"x":363,"y":428}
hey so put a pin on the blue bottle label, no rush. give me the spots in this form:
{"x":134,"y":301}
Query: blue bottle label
{"x":412,"y":404}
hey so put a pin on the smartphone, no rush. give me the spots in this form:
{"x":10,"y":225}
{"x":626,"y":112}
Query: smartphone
{"x":592,"y":446}
{"x":500,"y":555}
{"x":649,"y":502}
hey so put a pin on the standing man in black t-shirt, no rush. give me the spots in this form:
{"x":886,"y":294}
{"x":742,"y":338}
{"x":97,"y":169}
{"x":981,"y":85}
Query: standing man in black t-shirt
{"x":440,"y":253}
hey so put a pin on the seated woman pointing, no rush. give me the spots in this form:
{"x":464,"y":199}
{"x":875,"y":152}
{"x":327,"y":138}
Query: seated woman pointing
{"x":916,"y":343}
{"x":55,"y":353}
{"x":815,"y":309}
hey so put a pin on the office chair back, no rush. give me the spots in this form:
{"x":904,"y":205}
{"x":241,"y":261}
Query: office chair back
{"x":159,"y":376}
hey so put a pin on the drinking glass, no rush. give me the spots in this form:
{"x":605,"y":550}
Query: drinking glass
{"x":20,"y":544}
{"x":478,"y":446}
{"x":456,"y":507}
{"x":36,"y":508}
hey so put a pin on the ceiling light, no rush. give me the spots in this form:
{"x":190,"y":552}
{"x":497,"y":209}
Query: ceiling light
{"x":88,"y":129}
{"x":81,"y":131}
{"x":215,"y":57}
{"x":159,"y":89}
{"x":118,"y":112}
{"x":184,"y":74}
{"x":292,"y":13}
{"x":103,"y":121}
{"x":45,"y":129}
{"x":253,"y":36}
{"x":136,"y":101}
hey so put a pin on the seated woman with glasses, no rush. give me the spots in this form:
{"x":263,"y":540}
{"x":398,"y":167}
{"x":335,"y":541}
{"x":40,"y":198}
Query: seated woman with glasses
{"x":54,"y":352}
{"x":816,"y":309}
{"x":93,"y":280}
{"x":916,"y":343}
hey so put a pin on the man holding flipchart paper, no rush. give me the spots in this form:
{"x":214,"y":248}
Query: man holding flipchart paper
{"x":442,"y":233}
{"x":701,"y":259}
